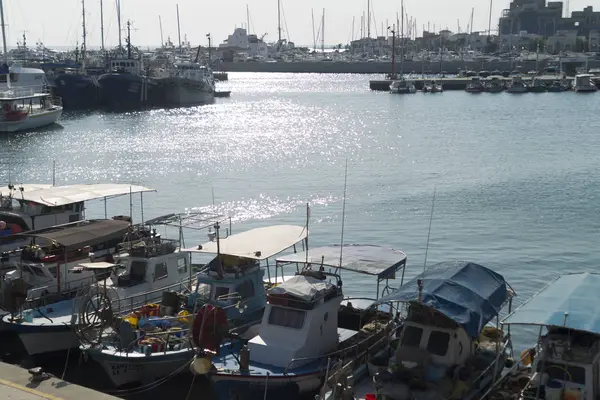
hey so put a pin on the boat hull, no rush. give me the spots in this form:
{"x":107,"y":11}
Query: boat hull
{"x":33,"y":121}
{"x":586,"y":89}
{"x":275,"y":386}
{"x":40,"y":339}
{"x":127,"y":91}
{"x":124,"y":370}
{"x":186,"y":92}
{"x":78,"y":92}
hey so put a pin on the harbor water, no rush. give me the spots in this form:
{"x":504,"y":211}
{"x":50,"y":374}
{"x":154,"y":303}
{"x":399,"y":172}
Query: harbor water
{"x":515,"y":176}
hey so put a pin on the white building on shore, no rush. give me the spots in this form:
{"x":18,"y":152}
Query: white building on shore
{"x":241,"y":41}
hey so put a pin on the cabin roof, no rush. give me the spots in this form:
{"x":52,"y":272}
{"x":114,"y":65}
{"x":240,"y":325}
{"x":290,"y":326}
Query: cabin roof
{"x":83,"y":233}
{"x":54,"y":196}
{"x":468,"y":293}
{"x":365,"y":259}
{"x":305,"y":288}
{"x":256,"y":244}
{"x":570,"y":301}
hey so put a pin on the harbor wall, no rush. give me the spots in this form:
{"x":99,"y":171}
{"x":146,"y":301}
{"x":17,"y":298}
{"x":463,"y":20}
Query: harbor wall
{"x":417,"y":67}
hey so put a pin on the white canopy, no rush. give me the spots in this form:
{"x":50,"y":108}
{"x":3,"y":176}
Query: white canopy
{"x":256,"y":244}
{"x":97,"y":265}
{"x":306,"y":288}
{"x":54,"y":196}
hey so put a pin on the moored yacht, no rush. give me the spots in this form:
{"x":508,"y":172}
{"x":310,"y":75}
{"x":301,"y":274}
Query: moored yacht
{"x":188,"y":84}
{"x":402,"y":86}
{"x":584,"y":83}
{"x":475,"y":85}
{"x":517,"y":85}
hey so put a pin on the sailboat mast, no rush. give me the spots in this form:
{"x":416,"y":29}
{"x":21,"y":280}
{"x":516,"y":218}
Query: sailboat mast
{"x":119,"y":25}
{"x":278,"y":23}
{"x":178,"y":29}
{"x":162,"y":41}
{"x":102,"y":25}
{"x":312,"y":14}
{"x":368,"y":18}
{"x":4,"y":43}
{"x":247,"y":19}
{"x":83,"y":45}
{"x":323,"y":33}
{"x":402,"y":40}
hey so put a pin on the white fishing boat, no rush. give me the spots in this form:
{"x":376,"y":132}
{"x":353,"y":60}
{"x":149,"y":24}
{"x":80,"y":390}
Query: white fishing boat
{"x":29,"y":207}
{"x":148,"y":348}
{"x":517,"y":85}
{"x":188,"y":84}
{"x":24,"y":108}
{"x":584,"y":83}
{"x":307,"y":327}
{"x":445,"y":347}
{"x":144,"y":263}
{"x":402,"y":86}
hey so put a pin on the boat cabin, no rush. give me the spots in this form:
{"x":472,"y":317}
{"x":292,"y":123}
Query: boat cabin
{"x":567,"y":360}
{"x":194,"y":71}
{"x":127,"y":65}
{"x":300,"y":321}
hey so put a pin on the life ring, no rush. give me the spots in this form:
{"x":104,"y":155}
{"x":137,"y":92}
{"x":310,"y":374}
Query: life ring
{"x":209,"y":327}
{"x":6,"y":107}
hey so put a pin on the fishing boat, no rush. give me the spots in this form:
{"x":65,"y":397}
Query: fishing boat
{"x":538,"y":86}
{"x":402,"y":86}
{"x":584,"y":83}
{"x":306,"y":327}
{"x":475,"y":85}
{"x":494,"y":85}
{"x":144,"y":262}
{"x":558,"y":86}
{"x":446,"y":349}
{"x":565,"y":362}
{"x":233,"y":281}
{"x":188,"y":84}
{"x":517,"y":85}
{"x":432,"y":87}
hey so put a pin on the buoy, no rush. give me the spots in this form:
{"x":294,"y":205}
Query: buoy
{"x":200,"y":365}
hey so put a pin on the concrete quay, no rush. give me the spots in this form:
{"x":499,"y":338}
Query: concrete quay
{"x":16,"y":384}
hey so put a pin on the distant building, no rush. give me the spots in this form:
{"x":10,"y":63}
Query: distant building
{"x":583,"y":21}
{"x":594,"y":41}
{"x":563,"y":40}
{"x":241,"y":41}
{"x":379,"y":46}
{"x":531,"y":16}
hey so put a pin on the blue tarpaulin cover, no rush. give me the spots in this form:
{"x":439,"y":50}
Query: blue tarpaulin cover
{"x":571,"y":301}
{"x":468,"y":293}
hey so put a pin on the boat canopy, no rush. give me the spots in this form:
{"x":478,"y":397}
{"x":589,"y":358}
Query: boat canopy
{"x":571,"y":301}
{"x":83,"y":233}
{"x":468,"y":293}
{"x":256,"y":244}
{"x":306,"y":288}
{"x":55,"y":196}
{"x":372,"y":260}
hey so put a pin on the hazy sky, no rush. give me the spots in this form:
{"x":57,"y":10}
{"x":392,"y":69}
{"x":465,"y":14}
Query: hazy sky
{"x":58,"y":22}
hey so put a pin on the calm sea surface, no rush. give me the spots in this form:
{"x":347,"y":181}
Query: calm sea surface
{"x":516,"y":176}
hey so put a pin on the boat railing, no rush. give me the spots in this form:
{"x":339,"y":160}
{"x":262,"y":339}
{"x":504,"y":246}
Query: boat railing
{"x":25,"y":91}
{"x":130,"y":303}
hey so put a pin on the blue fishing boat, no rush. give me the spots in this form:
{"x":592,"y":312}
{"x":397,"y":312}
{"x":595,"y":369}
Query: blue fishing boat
{"x":445,"y":348}
{"x":565,"y":363}
{"x":230,"y":286}
{"x":306,"y":328}
{"x":78,"y":90}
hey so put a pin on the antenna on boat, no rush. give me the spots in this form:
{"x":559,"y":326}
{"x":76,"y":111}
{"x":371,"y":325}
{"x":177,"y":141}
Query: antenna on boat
{"x":53,"y":172}
{"x":343,"y":215}
{"x":4,"y":44}
{"x":306,"y":240}
{"x":429,"y":232}
{"x":213,"y":195}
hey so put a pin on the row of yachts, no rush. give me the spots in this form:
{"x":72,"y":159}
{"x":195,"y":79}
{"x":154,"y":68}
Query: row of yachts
{"x":268,"y":317}
{"x":583,"y":83}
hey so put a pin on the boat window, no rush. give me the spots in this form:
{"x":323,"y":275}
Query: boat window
{"x":182,"y":265}
{"x":52,"y":271}
{"x":160,"y":271}
{"x":221,"y":291}
{"x":245,"y":290}
{"x":438,"y":343}
{"x":204,"y":290}
{"x":411,"y":336}
{"x":563,"y":372}
{"x":287,"y":317}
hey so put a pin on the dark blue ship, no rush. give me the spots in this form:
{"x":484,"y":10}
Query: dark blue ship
{"x":79,"y":91}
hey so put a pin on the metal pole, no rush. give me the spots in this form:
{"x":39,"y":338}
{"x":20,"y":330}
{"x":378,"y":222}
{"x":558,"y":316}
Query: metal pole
{"x":102,"y":25}
{"x":178,"y":29}
{"x":142,"y":205}
{"x":4,"y":43}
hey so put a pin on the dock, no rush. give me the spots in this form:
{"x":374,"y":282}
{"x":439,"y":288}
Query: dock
{"x":16,"y":384}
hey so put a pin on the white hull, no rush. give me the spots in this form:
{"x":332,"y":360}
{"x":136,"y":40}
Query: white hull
{"x":136,"y":369}
{"x":586,"y":88}
{"x":186,"y":92}
{"x":37,"y":120}
{"x":47,"y":342}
